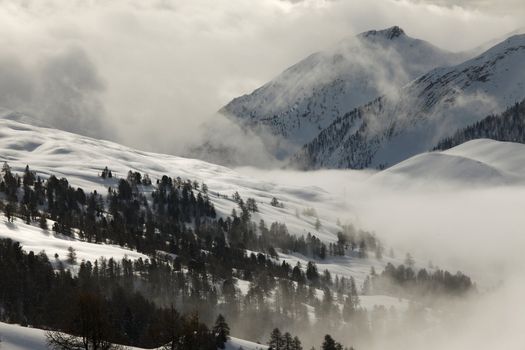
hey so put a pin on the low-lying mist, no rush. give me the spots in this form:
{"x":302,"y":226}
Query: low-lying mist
{"x":455,"y":226}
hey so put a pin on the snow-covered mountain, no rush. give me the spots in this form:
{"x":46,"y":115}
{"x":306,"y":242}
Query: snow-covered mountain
{"x":311,"y":94}
{"x":396,"y":126}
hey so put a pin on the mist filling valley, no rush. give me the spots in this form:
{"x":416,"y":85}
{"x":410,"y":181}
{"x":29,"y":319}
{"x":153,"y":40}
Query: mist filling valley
{"x":447,"y":225}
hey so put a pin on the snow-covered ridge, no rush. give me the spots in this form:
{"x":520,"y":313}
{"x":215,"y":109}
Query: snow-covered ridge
{"x":479,"y":162}
{"x":307,"y":97}
{"x":393,"y":128}
{"x":81,"y":159}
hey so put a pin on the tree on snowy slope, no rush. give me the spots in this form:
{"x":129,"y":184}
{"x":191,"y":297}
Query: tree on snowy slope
{"x":508,"y":126}
{"x":276,"y":340}
{"x":284,"y":341}
{"x":89,"y":326}
{"x":330,"y":344}
{"x":221,"y":331}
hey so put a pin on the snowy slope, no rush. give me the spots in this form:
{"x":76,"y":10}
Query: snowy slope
{"x":33,"y":238}
{"x":80,"y":159}
{"x":308,"y":96}
{"x":479,"y":162}
{"x":236,"y":344}
{"x":344,"y":266}
{"x":15,"y":337}
{"x":393,"y":128}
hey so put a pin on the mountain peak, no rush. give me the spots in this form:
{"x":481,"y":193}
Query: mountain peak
{"x":389,"y":33}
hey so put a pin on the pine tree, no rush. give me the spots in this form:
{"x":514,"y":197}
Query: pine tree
{"x":236,"y":197}
{"x":8,"y":210}
{"x":287,"y":341}
{"x":276,"y":341}
{"x":71,"y":256}
{"x":329,"y":343}
{"x":43,"y":222}
{"x":311,"y":272}
{"x":221,"y":331}
{"x":251,"y":205}
{"x":297,"y":344}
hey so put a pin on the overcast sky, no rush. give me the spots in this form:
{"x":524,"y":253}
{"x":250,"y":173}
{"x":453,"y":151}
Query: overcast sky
{"x":148,"y":73}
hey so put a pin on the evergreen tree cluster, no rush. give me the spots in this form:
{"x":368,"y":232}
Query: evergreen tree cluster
{"x":88,"y":305}
{"x":508,"y":126}
{"x":196,"y":262}
{"x":279,"y":341}
{"x":405,"y":281}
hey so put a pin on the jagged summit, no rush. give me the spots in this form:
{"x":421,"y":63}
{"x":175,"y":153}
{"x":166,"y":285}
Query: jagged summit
{"x":307,"y":97}
{"x":389,"y":33}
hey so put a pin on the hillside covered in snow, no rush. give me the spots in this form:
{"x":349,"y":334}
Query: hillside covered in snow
{"x":223,"y":259}
{"x":101,"y":210}
{"x":480,"y":162}
{"x":15,"y":337}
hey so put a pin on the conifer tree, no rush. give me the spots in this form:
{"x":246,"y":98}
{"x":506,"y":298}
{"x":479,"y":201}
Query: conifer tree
{"x":297,"y":344}
{"x":71,"y":256}
{"x":221,"y":331}
{"x":276,"y":341}
{"x":328,"y":343}
{"x":287,"y":341}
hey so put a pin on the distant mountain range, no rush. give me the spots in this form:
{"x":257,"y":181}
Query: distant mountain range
{"x":379,"y":98}
{"x":307,"y":97}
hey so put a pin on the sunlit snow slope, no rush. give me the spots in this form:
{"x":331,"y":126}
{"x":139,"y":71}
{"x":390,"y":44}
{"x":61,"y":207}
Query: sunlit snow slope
{"x":81,"y":159}
{"x":15,"y":337}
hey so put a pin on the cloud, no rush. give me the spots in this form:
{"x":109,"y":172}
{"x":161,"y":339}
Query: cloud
{"x":478,"y":230}
{"x":68,"y":92}
{"x":59,"y":90}
{"x":503,"y":7}
{"x":152,"y":72}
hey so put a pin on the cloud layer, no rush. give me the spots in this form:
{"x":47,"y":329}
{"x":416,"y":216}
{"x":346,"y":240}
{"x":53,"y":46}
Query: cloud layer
{"x":478,"y":230}
{"x":149,"y":73}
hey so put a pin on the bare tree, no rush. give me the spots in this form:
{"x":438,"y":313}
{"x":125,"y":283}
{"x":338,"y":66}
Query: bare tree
{"x":89,"y":327}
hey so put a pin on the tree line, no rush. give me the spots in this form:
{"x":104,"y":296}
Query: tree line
{"x":508,"y":126}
